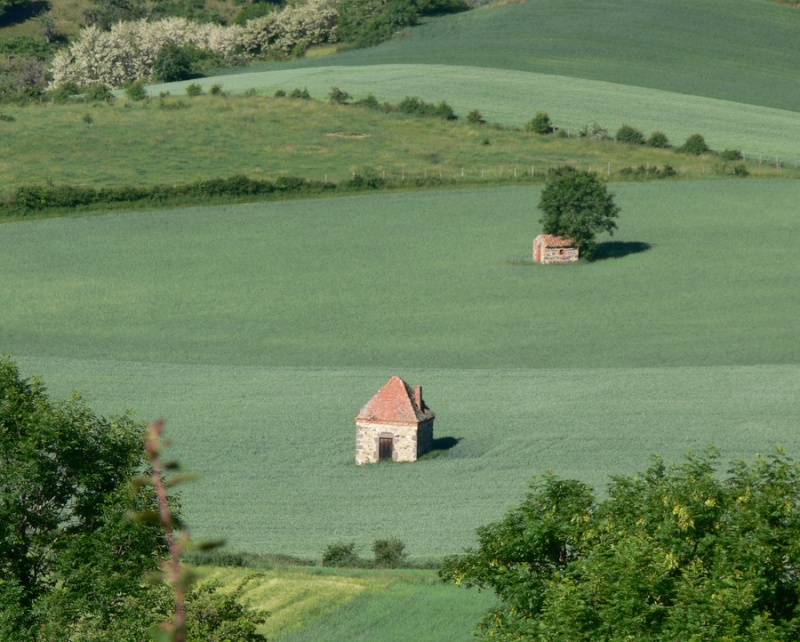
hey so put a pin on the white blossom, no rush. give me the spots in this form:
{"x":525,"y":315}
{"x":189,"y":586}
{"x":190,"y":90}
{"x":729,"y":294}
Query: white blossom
{"x":127,"y":52}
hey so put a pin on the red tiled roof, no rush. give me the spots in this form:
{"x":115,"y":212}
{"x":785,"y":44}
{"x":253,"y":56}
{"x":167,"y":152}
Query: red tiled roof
{"x":396,"y":402}
{"x":551,"y":240}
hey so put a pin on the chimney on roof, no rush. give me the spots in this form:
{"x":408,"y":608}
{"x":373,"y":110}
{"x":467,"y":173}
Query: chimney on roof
{"x":418,"y":396}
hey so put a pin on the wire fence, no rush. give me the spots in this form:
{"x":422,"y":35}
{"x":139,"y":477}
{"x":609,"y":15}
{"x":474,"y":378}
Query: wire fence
{"x":749,"y":165}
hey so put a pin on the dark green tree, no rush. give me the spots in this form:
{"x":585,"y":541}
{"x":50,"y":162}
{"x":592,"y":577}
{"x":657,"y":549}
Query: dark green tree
{"x":172,"y":63}
{"x":72,"y":561}
{"x":673,"y":553}
{"x":64,"y":539}
{"x":363,"y":23}
{"x":576,"y":204}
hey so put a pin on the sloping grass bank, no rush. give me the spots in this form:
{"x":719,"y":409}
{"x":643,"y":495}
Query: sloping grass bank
{"x":174,"y":142}
{"x":738,"y":50}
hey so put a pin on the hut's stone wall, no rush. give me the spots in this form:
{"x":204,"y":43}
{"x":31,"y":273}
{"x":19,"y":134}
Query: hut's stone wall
{"x":406,"y":443}
{"x":425,"y":437}
{"x":549,"y":249}
{"x":559,"y":255}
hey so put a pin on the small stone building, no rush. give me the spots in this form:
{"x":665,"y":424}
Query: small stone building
{"x":548,"y":248}
{"x":395,"y":424}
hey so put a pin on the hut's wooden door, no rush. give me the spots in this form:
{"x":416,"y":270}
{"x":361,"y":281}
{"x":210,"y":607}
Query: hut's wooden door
{"x":385,"y":447}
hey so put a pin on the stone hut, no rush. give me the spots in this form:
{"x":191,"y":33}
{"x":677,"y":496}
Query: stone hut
{"x":548,"y":248}
{"x":395,"y":424}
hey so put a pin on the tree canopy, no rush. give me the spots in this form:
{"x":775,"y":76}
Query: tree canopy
{"x":673,"y":553}
{"x":64,"y":539}
{"x":576,"y":204}
{"x":72,"y":562}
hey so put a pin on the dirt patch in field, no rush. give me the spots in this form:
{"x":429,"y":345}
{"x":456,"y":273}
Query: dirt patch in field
{"x":347,"y":135}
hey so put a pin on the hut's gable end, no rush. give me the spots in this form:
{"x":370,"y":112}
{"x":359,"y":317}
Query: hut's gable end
{"x":404,"y":441}
{"x":548,"y":248}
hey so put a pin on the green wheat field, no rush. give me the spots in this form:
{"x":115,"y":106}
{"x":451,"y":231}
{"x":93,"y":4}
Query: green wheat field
{"x":259,"y":330}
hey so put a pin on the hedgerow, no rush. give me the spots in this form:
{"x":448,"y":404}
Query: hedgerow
{"x":28,"y":199}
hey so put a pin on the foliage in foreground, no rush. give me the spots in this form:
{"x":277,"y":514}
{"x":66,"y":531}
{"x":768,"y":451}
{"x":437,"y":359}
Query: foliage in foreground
{"x":576,"y":204}
{"x":674,"y":553}
{"x":65,"y":546}
{"x":72,"y":562}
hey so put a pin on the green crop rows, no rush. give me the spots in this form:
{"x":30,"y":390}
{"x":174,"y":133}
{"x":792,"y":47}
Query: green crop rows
{"x":259,"y":331}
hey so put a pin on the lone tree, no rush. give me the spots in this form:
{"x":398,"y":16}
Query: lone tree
{"x":577,"y":204}
{"x":673,"y":553}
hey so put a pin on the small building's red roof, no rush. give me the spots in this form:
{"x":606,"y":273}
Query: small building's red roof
{"x":396,"y":402}
{"x":551,"y":240}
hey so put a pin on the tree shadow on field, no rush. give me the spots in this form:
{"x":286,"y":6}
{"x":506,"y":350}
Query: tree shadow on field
{"x":23,"y":11}
{"x":619,"y":249}
{"x":441,"y":445}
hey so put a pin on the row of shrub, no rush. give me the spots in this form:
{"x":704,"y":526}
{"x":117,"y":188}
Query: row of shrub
{"x":694,"y":145}
{"x":649,"y":171}
{"x":387,"y":553}
{"x":409,"y":105}
{"x":29,"y":199}
{"x":539,"y":124}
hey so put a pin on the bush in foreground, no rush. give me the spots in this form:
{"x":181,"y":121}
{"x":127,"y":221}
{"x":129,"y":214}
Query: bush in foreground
{"x":72,"y":558}
{"x":673,"y":553}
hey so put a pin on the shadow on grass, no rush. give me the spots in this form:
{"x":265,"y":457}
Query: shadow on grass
{"x":619,"y":249}
{"x":23,"y":11}
{"x":441,"y":445}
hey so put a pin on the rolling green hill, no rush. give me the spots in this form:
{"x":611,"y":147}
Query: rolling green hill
{"x":738,"y":50}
